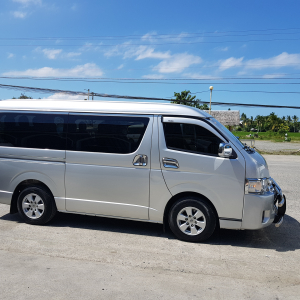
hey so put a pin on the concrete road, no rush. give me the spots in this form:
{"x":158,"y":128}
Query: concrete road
{"x":81,"y":257}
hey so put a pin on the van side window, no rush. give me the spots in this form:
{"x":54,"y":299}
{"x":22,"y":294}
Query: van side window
{"x":106,"y":134}
{"x":191,"y":138}
{"x":33,"y":130}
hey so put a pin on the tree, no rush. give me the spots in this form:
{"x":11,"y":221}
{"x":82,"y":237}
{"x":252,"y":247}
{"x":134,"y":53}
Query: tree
{"x":259,"y":121}
{"x":186,"y":98}
{"x":274,"y":122}
{"x":295,"y":120}
{"x":23,"y":97}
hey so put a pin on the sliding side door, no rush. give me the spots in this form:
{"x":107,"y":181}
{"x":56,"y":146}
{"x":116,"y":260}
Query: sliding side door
{"x":108,"y":165}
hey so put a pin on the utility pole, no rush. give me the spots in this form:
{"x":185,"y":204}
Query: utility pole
{"x":211,"y":89}
{"x":88,"y":93}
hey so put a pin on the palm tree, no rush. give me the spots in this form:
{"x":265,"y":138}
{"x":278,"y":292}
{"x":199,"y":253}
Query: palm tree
{"x":289,"y":120}
{"x":186,"y":98}
{"x":295,"y":120}
{"x":259,"y":120}
{"x":273,"y":121}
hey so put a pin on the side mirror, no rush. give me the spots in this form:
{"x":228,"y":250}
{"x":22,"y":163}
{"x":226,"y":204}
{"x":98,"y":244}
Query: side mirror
{"x":225,"y":150}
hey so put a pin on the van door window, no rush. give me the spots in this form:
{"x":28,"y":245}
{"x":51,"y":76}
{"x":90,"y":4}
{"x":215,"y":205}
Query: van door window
{"x":106,"y":134}
{"x":33,"y":130}
{"x":191,"y":138}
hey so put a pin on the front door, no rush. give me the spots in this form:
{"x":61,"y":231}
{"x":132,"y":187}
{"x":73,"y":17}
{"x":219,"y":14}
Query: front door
{"x":108,"y":165}
{"x":190,"y":163}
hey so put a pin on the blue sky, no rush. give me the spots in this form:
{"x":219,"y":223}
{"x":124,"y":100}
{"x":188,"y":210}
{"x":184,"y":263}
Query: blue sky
{"x":208,"y":40}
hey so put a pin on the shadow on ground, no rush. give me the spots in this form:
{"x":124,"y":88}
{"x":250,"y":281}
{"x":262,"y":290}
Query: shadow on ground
{"x":282,"y":239}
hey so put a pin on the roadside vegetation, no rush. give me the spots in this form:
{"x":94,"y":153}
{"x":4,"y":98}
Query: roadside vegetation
{"x":269,"y":127}
{"x":269,"y":135}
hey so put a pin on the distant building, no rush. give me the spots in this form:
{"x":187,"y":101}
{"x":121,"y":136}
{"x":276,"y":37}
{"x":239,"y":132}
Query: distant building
{"x":226,"y":117}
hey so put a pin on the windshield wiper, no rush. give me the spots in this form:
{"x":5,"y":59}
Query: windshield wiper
{"x":248,"y":149}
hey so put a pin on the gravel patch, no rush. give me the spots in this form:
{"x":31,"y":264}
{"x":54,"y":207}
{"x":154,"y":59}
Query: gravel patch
{"x":269,"y":146}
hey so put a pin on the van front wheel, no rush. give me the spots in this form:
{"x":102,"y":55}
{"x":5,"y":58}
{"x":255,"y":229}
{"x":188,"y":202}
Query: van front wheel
{"x":192,"y":219}
{"x":36,"y":205}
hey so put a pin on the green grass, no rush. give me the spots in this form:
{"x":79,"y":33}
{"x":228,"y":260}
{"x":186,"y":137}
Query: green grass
{"x":271,"y":136}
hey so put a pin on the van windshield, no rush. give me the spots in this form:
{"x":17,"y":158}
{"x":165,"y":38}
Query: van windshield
{"x":227,"y":132}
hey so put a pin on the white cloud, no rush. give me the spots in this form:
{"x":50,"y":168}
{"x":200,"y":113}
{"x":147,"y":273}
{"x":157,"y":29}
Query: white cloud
{"x":199,"y":76}
{"x":176,"y":63}
{"x":230,"y":63}
{"x":120,"y":67}
{"x":86,"y":70}
{"x":72,"y":54}
{"x":153,"y":37}
{"x":270,"y":76}
{"x":63,"y":96}
{"x":222,"y":49}
{"x":89,"y":47}
{"x":28,"y":2}
{"x":153,"y":76}
{"x":150,"y":36}
{"x":139,"y":52}
{"x":282,"y":60}
{"x":56,"y":53}
{"x":147,"y":52}
{"x":20,"y":14}
{"x":52,"y":53}
{"x":74,"y":6}
{"x":10,"y":55}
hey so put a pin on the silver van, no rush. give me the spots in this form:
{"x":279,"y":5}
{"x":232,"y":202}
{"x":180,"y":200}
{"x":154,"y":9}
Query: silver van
{"x":160,"y":163}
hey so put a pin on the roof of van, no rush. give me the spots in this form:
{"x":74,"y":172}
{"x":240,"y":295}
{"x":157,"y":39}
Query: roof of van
{"x":99,"y":106}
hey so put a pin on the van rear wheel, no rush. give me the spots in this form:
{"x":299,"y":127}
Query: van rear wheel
{"x":36,"y":205}
{"x":192,"y":219}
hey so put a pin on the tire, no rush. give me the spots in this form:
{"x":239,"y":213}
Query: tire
{"x":36,"y":205}
{"x":192,"y":219}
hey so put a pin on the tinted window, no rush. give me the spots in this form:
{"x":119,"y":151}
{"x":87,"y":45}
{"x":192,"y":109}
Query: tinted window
{"x":106,"y":134}
{"x":30,"y":130}
{"x":189,"y":137}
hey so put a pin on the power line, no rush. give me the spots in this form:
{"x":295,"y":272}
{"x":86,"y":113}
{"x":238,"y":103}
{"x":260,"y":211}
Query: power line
{"x":149,"y":44}
{"x":43,"y":90}
{"x":158,"y":37}
{"x":264,"y":92}
{"x":153,"y":79}
{"x":156,"y":81}
{"x":165,"y":34}
{"x":251,"y":105}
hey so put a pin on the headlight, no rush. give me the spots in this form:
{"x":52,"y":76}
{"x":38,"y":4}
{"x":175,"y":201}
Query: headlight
{"x":258,"y":186}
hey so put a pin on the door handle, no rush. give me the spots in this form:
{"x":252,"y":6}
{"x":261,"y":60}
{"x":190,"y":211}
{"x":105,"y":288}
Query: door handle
{"x":140,"y":160}
{"x":170,"y":163}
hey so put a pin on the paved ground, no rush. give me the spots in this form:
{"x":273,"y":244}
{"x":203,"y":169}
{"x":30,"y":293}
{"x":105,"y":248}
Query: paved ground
{"x":269,"y":146}
{"x":81,"y":257}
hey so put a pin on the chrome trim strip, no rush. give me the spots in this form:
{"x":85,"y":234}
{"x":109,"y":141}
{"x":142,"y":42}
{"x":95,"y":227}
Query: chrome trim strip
{"x":105,"y":202}
{"x":41,"y":111}
{"x":6,"y":192}
{"x":37,"y":158}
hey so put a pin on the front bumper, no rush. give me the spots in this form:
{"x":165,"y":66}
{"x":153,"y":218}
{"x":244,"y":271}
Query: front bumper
{"x":280,"y":204}
{"x":261,"y":210}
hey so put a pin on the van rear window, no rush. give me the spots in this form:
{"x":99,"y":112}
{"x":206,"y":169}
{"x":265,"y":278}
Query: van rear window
{"x":33,"y":130}
{"x":106,"y":134}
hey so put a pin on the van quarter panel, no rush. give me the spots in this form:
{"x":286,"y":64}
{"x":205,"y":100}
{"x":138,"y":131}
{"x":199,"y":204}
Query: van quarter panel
{"x":49,"y":173}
